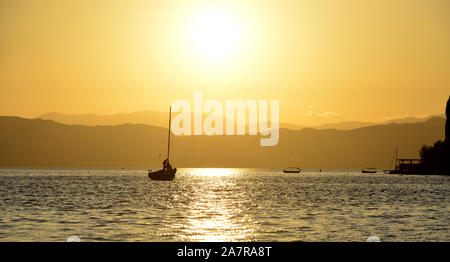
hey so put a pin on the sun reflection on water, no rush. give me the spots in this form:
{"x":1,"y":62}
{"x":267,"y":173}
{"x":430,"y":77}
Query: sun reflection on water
{"x":213,"y":214}
{"x":214,"y":172}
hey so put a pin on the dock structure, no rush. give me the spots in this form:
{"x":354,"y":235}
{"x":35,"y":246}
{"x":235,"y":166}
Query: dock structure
{"x":407,"y":165}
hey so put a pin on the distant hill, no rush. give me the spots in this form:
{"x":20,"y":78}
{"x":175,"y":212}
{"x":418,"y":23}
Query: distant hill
{"x":154,"y":118}
{"x":160,"y":119}
{"x":348,"y":125}
{"x":45,"y":143}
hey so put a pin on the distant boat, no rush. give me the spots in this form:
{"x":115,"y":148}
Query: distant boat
{"x":393,"y":163}
{"x":369,"y":170}
{"x":167,"y":173}
{"x":292,"y":170}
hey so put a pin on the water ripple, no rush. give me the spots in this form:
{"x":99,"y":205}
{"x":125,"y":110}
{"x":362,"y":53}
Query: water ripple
{"x":221,"y":205}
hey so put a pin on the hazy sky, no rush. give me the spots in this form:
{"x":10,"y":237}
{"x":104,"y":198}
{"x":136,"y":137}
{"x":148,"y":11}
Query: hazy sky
{"x":326,"y":61}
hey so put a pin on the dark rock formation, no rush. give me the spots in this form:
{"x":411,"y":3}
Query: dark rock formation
{"x":436,"y":158}
{"x":447,"y":122}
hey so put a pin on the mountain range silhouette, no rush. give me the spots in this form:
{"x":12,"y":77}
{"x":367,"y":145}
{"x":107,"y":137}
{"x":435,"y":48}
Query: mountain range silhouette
{"x":46,"y":143}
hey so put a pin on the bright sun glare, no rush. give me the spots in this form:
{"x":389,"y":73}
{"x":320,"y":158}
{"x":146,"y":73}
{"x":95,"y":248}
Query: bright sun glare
{"x":216,"y":35}
{"x":214,"y":172}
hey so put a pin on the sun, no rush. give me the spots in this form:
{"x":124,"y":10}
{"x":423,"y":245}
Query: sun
{"x":216,"y":35}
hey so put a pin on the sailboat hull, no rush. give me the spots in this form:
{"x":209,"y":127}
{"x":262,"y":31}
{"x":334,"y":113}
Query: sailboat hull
{"x":163,"y":175}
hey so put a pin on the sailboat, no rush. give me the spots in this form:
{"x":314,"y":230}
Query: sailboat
{"x":393,"y":163}
{"x":167,"y":173}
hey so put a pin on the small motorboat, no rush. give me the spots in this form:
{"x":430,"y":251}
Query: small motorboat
{"x":369,"y":170}
{"x":292,"y":170}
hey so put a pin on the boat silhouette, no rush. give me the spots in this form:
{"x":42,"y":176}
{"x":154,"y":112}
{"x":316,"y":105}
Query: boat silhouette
{"x":292,"y":170}
{"x":369,"y":170}
{"x":167,"y":173}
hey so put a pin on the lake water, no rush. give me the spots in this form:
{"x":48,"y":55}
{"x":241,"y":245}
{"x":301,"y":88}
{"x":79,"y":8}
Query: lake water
{"x":221,"y":205}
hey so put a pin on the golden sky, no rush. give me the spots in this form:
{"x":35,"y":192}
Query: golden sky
{"x":325,"y":60}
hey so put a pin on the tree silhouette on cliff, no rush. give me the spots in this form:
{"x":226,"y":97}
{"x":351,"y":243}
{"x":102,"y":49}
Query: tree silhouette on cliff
{"x":447,"y":122}
{"x":436,"y":158}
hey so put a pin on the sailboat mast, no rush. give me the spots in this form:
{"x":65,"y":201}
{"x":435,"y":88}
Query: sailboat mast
{"x":396,"y":152}
{"x":168,"y":143}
